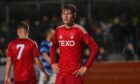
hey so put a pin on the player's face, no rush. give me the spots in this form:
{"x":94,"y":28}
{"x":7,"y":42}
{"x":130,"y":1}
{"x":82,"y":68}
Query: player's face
{"x":67,"y":16}
{"x":21,"y":32}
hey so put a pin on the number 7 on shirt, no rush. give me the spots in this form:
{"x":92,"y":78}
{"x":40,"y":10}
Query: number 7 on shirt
{"x":21,"y":46}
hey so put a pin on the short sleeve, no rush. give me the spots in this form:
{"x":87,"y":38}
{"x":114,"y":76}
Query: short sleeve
{"x":43,"y":47}
{"x":9,"y":50}
{"x":35,"y":50}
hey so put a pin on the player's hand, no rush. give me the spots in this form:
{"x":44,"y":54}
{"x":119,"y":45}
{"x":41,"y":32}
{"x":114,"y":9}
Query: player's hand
{"x":55,"y":68}
{"x":7,"y":80}
{"x":80,"y":72}
{"x":46,"y":76}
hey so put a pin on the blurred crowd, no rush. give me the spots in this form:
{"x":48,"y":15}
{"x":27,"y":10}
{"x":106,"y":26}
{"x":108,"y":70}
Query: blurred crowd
{"x":120,"y":34}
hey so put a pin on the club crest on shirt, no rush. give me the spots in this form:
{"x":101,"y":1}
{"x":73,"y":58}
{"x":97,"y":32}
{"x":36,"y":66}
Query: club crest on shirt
{"x":71,"y":36}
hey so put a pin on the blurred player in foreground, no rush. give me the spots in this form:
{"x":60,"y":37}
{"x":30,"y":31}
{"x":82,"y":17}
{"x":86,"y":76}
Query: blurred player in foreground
{"x":45,"y":57}
{"x":70,"y":39}
{"x":22,"y":52}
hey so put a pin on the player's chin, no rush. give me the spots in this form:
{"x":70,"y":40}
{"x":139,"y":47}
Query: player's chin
{"x":66,"y":23}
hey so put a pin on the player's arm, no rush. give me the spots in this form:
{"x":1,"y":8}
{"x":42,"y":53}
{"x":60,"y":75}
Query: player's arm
{"x":8,"y":64}
{"x":38,"y":61}
{"x":83,"y":69}
{"x":46,"y":57}
{"x":94,"y":49}
{"x":41,"y":67}
{"x":7,"y":72}
{"x":43,"y":52}
{"x":53,"y":54}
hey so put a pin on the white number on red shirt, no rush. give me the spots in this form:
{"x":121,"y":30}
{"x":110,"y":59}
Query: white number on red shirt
{"x":21,"y":46}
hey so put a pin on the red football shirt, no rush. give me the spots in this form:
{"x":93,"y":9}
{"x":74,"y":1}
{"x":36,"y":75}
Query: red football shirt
{"x":23,"y":51}
{"x":70,"y":42}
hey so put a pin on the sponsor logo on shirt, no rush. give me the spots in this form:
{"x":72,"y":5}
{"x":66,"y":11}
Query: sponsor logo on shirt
{"x":66,"y":43}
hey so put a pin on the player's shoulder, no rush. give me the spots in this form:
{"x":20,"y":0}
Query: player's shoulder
{"x":60,"y":27}
{"x":34,"y":43}
{"x":31,"y":41}
{"x":14,"y":41}
{"x":80,"y":28}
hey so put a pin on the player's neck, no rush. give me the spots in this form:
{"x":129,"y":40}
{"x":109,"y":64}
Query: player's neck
{"x":68,"y":25}
{"x":23,"y":36}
